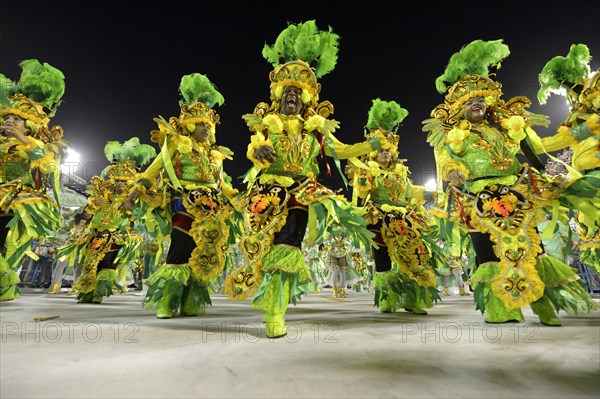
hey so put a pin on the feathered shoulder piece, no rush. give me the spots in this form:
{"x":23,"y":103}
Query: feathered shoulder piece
{"x":561,"y":74}
{"x":165,"y":128}
{"x":436,"y":133}
{"x":476,"y":58}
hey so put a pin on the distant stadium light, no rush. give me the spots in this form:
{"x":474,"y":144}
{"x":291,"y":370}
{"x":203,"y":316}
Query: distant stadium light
{"x":430,"y":185}
{"x":72,"y":156}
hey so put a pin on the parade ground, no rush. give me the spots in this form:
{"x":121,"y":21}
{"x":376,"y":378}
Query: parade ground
{"x":53,"y":347}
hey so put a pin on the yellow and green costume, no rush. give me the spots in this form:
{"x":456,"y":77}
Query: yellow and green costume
{"x":571,"y":76}
{"x":110,"y":242}
{"x":403,"y":262}
{"x":29,"y":171}
{"x":502,"y":200}
{"x":283,"y":196}
{"x":200,"y":195}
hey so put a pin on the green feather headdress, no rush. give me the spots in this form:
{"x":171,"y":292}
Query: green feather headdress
{"x":300,"y":55}
{"x":197,"y":88}
{"x":561,"y":74}
{"x":305,"y":42}
{"x":468,"y":71}
{"x":42,"y":83}
{"x":128,"y":155}
{"x":199,"y":95}
{"x":385,"y":115}
{"x":475,"y":58}
{"x":36,"y":96}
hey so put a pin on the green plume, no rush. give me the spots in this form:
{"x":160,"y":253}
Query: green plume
{"x":113,"y":150}
{"x":385,"y":115}
{"x":140,"y":153}
{"x":197,"y":88}
{"x":42,"y":83}
{"x":564,"y":72}
{"x":7,"y":89}
{"x":129,"y":150}
{"x":305,"y":42}
{"x":473,"y":59}
{"x":143,"y":154}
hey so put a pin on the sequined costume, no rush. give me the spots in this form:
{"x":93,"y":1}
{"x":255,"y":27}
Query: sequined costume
{"x":29,"y":166}
{"x":404,"y":273}
{"x":110,"y":241}
{"x":476,"y":137}
{"x":190,"y":168}
{"x":283,"y":196}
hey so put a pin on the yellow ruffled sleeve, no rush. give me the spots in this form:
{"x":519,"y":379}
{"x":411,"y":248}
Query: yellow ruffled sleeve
{"x":447,"y":164}
{"x":562,"y":139}
{"x":258,"y":140}
{"x":46,"y":164}
{"x":585,"y":154}
{"x":345,"y":151}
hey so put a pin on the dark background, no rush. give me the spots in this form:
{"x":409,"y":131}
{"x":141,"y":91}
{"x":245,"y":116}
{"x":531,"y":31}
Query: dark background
{"x":123,"y":61}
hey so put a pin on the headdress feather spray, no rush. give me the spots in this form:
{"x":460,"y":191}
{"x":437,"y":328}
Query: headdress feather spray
{"x":305,"y":42}
{"x":561,"y":74}
{"x":475,"y":58}
{"x":197,"y":88}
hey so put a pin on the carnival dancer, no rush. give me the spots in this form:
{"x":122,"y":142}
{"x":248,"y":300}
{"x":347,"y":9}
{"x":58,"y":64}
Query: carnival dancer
{"x":110,"y":242}
{"x":341,"y":272}
{"x":404,"y":273}
{"x":572,"y":77}
{"x":283,"y":196}
{"x":190,"y":167}
{"x":30,"y":153}
{"x":317,"y":268}
{"x":476,"y":137}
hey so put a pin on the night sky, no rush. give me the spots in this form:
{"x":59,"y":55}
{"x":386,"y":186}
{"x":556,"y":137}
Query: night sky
{"x":123,"y":63}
